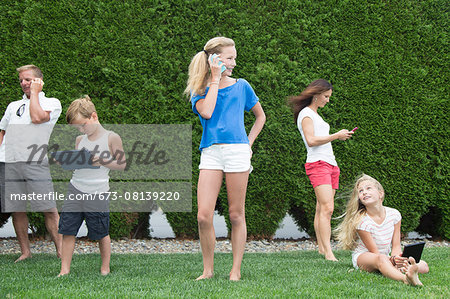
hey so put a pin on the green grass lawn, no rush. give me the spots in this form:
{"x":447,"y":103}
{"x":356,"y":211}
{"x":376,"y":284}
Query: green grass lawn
{"x":285,"y":275}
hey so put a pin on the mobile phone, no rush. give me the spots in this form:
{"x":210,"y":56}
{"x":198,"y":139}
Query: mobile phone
{"x":223,"y":67}
{"x":354,"y":129}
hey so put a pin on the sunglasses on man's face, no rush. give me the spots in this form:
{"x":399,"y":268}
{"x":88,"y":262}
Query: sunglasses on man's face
{"x":21,"y":110}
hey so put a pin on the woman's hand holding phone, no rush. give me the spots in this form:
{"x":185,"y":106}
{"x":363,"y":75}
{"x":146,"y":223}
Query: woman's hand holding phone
{"x":344,"y":134}
{"x":215,"y":61}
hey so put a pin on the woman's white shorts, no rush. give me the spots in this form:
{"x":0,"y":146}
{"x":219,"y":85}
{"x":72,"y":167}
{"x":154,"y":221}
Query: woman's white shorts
{"x":226,"y":157}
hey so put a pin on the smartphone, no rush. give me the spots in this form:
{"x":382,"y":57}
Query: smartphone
{"x":220,"y":63}
{"x":354,"y":129}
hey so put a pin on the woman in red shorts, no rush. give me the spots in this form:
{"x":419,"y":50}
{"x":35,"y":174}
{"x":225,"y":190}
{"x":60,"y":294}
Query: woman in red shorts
{"x":321,"y":166}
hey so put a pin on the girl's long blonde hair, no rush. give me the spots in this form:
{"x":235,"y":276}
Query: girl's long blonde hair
{"x":199,"y":67}
{"x":346,"y":230}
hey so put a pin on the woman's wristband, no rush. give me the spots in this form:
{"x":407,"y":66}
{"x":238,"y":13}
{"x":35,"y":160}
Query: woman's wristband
{"x":214,"y":82}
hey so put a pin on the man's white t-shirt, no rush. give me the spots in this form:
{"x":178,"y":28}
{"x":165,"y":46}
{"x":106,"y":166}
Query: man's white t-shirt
{"x":21,"y":135}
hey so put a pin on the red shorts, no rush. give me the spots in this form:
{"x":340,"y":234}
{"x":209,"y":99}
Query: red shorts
{"x":323,"y":173}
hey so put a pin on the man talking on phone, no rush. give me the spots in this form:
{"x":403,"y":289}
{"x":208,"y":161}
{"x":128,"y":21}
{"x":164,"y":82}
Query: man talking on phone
{"x":25,"y":180}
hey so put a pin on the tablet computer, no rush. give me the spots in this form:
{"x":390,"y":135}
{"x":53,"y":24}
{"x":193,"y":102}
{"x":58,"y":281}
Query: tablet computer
{"x":74,"y":159}
{"x":414,"y":250}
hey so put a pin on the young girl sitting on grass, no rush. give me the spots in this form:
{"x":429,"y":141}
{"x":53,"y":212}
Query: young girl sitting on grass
{"x":369,"y":228}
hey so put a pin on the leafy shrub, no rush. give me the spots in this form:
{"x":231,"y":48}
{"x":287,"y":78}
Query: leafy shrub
{"x":122,"y":224}
{"x":387,"y":60}
{"x":4,"y":218}
{"x":36,"y":223}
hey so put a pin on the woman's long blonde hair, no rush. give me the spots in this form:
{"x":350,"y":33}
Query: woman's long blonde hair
{"x":346,"y":230}
{"x":199,"y":67}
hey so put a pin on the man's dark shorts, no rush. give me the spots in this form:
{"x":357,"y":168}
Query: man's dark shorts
{"x":96,"y":222}
{"x":3,"y":216}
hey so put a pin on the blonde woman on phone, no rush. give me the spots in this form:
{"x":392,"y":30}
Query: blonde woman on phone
{"x":220,"y":100}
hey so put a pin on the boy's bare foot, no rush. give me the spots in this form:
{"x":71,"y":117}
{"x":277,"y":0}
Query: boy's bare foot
{"x":23,"y":257}
{"x":235,"y":276}
{"x":205,"y":276}
{"x":412,"y":273}
{"x":104,"y":270}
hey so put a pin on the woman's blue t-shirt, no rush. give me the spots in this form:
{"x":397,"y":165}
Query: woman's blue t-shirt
{"x":226,"y":124}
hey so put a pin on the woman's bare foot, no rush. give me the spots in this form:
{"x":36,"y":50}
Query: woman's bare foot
{"x":62,"y":274}
{"x":235,"y":276}
{"x":330,"y":257}
{"x":205,"y":276}
{"x":23,"y":257}
{"x":320,"y":247}
{"x":412,"y":273}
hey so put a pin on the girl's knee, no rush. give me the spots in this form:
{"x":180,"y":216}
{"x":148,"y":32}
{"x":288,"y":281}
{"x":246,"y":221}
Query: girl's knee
{"x":204,"y":219}
{"x":382,"y":259}
{"x":423,"y":267}
{"x":237,"y":218}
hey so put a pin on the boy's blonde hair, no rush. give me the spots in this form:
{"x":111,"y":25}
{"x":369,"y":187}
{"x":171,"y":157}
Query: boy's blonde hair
{"x":346,"y":230}
{"x":83,"y":107}
{"x":199,"y":67}
{"x":36,"y":71}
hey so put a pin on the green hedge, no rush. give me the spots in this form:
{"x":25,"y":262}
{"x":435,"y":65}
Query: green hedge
{"x":388,"y":62}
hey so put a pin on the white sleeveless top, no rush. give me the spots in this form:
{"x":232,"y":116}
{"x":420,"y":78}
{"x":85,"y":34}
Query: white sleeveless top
{"x":90,"y":180}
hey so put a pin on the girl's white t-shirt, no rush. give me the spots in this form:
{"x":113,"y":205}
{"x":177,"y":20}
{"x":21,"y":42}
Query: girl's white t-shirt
{"x":381,"y":233}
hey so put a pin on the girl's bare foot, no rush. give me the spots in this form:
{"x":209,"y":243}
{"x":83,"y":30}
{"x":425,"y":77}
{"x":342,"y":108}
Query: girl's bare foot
{"x":23,"y":257}
{"x":412,"y":273}
{"x":205,"y":276}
